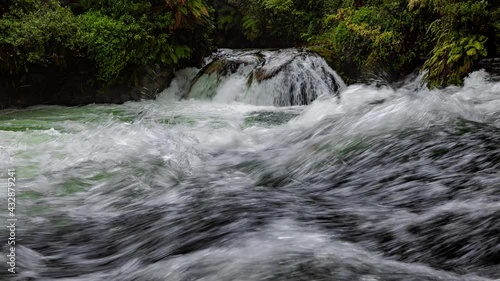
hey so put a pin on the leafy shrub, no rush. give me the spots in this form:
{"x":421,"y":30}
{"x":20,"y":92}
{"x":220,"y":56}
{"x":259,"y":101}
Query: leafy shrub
{"x":118,"y":36}
{"x":452,"y":60}
{"x":460,"y":35}
{"x":35,"y":32}
{"x":392,"y":36}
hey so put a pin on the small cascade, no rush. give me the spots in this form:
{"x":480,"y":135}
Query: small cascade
{"x":388,"y":183}
{"x":281,"y":78}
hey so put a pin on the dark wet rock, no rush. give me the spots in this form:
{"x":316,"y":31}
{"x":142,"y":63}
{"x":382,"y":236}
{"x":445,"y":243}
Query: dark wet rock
{"x":301,"y":76}
{"x":492,"y":66}
{"x":79,"y":87}
{"x":223,"y":65}
{"x":269,"y":69}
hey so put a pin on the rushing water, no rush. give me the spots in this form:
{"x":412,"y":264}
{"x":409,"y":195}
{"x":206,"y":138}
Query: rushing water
{"x":282,"y":78}
{"x":372,"y":184}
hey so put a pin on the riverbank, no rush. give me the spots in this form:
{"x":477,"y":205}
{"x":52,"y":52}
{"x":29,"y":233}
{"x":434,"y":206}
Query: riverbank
{"x":77,"y":52}
{"x":78,"y":86}
{"x":373,"y":183}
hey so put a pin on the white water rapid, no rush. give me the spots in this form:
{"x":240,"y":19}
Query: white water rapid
{"x":270,"y":168}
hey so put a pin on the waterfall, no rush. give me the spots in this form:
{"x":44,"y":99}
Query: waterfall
{"x":385,"y":183}
{"x":280,"y":78}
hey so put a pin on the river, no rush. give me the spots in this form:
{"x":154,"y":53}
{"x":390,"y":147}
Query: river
{"x":322,"y":181}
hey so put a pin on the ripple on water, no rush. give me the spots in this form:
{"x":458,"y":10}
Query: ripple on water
{"x":381,"y":184}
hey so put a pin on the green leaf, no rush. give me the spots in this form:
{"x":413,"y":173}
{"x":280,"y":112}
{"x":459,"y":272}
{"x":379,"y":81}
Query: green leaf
{"x":472,"y":52}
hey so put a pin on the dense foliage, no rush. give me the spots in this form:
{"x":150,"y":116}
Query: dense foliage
{"x":393,"y":36}
{"x":270,"y":22}
{"x":462,"y":34}
{"x":117,"y":37}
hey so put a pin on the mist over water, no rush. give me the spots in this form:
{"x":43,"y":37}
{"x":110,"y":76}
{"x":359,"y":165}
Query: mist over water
{"x":363,"y":183}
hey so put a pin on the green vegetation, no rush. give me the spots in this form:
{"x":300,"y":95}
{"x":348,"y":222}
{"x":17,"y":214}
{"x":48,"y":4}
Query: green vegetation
{"x":445,"y":36}
{"x":115,"y":39}
{"x":116,"y":36}
{"x":460,"y":34}
{"x":277,"y":22}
